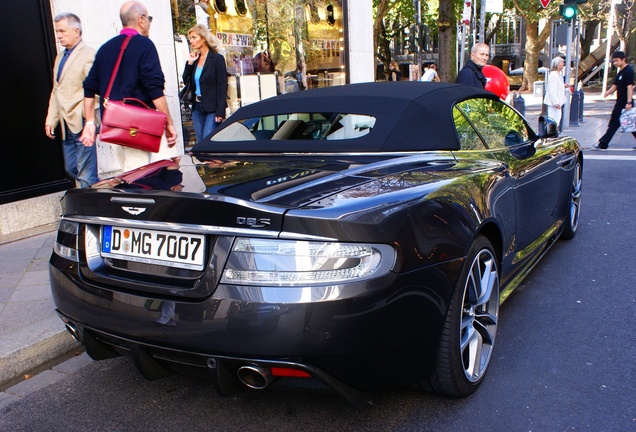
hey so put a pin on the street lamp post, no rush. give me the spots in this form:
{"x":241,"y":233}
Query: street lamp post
{"x":418,"y":20}
{"x":568,"y":60}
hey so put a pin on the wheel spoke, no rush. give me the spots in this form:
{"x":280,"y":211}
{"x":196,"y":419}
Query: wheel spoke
{"x":467,"y":326}
{"x":471,"y":349}
{"x":487,"y":283}
{"x":474,"y":278}
{"x":486,"y":318}
{"x":574,"y":213}
{"x":483,"y":325}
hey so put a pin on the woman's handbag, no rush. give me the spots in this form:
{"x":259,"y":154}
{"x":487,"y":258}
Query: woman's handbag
{"x":628,"y":120}
{"x":185,"y":94}
{"x":129,"y":124}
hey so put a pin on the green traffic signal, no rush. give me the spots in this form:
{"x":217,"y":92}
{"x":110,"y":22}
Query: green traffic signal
{"x":568,"y":11}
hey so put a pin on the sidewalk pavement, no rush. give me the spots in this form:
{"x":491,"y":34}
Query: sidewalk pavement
{"x":33,"y":338}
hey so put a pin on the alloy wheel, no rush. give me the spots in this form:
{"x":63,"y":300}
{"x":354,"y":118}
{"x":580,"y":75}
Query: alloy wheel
{"x":480,"y":311}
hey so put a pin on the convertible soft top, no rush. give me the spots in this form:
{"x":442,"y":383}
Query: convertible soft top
{"x":410,"y":116}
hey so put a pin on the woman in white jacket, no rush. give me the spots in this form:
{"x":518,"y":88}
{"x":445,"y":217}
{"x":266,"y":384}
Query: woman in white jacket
{"x":555,"y":96}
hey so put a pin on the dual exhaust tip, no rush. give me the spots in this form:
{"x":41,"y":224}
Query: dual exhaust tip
{"x":255,"y":377}
{"x":252,"y":376}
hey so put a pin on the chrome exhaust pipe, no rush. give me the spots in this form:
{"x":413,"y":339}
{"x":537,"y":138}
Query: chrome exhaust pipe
{"x":255,"y":377}
{"x":72,"y":329}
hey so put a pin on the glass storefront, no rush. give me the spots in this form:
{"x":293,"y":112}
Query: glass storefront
{"x":278,"y":46}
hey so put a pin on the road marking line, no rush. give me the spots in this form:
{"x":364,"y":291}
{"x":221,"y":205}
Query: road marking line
{"x":611,"y":150}
{"x":610,"y":157}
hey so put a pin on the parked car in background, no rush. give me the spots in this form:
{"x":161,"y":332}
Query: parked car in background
{"x":515,"y":76}
{"x":347,"y":238}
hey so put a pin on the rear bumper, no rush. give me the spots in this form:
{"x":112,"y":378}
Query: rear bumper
{"x":224,"y":372}
{"x":386,"y":337}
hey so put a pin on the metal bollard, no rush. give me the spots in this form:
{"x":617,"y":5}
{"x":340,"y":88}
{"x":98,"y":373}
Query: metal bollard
{"x":574,"y":109}
{"x":519,"y":103}
{"x":582,"y":96}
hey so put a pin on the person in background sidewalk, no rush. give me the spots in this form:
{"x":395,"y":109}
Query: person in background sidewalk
{"x":623,"y":85}
{"x":555,"y":96}
{"x":394,"y":71}
{"x":139,"y":76}
{"x":431,"y":73}
{"x":207,"y":73}
{"x":471,"y":73}
{"x":67,"y":99}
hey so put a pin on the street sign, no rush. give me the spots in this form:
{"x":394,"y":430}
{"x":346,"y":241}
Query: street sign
{"x":545,"y":3}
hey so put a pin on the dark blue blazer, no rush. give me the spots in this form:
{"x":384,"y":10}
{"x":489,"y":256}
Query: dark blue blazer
{"x":139,"y":75}
{"x":471,"y":75}
{"x":213,"y":83}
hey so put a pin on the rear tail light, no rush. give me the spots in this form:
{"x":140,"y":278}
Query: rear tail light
{"x":66,"y":244}
{"x":296,"y":263}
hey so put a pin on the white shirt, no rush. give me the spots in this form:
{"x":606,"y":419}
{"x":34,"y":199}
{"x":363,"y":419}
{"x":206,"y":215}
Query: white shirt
{"x":429,"y":75}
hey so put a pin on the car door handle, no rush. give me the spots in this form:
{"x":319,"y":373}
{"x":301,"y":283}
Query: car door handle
{"x":566,"y":161}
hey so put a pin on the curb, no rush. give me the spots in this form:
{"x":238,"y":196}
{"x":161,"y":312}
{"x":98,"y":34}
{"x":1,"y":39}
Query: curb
{"x":34,"y":348}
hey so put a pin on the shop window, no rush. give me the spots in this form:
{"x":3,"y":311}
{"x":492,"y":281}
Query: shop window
{"x":265,"y":39}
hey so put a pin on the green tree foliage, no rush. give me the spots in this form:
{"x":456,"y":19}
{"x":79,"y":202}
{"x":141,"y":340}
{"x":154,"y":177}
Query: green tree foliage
{"x":623,"y":23}
{"x":391,"y":17}
{"x":183,"y":15}
{"x":533,"y":12}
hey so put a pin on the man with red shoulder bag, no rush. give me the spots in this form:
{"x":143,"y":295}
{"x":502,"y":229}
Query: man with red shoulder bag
{"x":139,"y":76}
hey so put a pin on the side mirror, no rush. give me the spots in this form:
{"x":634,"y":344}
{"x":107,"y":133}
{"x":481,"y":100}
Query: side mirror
{"x":548,"y":128}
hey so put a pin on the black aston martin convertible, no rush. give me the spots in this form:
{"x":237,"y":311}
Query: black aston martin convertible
{"x":346,"y":238}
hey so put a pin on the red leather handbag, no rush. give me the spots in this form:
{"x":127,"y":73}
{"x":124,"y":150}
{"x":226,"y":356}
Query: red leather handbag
{"x":129,"y":124}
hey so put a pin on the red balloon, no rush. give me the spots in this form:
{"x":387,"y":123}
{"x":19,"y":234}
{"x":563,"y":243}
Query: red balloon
{"x":497,"y":81}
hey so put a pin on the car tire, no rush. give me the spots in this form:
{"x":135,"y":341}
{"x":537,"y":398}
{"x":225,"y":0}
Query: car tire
{"x":470,"y":328}
{"x":571,"y":222}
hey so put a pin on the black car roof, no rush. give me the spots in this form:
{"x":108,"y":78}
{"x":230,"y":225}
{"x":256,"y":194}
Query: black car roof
{"x":410,"y":116}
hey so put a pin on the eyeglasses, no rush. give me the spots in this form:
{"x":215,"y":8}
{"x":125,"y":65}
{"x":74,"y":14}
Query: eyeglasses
{"x":149,"y":18}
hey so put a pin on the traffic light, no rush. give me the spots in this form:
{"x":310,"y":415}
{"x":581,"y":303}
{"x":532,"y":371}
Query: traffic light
{"x":568,"y":10}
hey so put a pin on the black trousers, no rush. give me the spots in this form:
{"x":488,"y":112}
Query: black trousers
{"x":613,"y":125}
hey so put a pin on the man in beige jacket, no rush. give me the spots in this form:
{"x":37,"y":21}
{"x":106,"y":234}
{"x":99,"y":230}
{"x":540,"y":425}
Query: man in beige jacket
{"x":66,"y":103}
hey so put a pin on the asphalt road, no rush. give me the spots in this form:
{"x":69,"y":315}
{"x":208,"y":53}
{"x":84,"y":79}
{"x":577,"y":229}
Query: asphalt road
{"x":565,"y":358}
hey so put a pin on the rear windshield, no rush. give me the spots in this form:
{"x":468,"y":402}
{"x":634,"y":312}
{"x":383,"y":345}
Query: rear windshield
{"x":298,"y":126}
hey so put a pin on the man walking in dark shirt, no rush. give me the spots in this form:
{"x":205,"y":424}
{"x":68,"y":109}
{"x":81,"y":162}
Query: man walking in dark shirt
{"x":139,"y":76}
{"x":471,"y":73}
{"x":623,"y":85}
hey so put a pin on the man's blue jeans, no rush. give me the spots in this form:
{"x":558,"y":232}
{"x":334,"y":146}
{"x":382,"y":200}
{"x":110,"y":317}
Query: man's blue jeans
{"x":80,"y":162}
{"x":203,"y":123}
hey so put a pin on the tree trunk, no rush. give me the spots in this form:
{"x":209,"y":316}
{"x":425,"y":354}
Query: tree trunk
{"x":623,"y":26}
{"x":586,"y":41}
{"x":446,"y":20}
{"x":378,"y":32}
{"x":534,"y":44}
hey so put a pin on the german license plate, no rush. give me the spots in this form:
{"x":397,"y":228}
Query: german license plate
{"x":182,"y":250}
